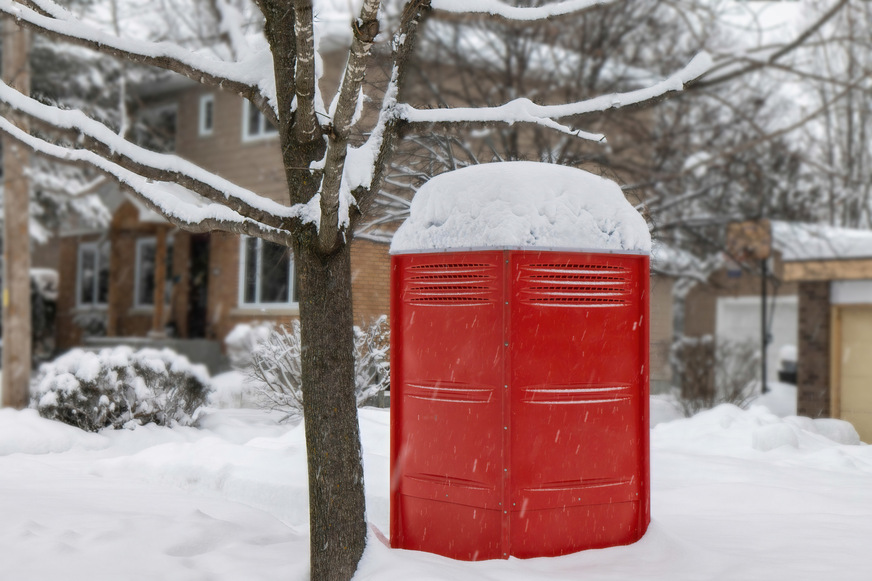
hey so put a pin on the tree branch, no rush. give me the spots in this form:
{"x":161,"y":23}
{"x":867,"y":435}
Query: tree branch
{"x":232,"y":76}
{"x":306,"y":126}
{"x":526,"y":13}
{"x":336,"y":201}
{"x":389,"y":125}
{"x":774,"y":56}
{"x":158,"y":196}
{"x":525,"y":111}
{"x":152,"y":165}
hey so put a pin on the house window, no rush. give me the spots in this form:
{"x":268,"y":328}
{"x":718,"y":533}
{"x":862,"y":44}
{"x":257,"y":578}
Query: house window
{"x":93,"y":274}
{"x":266,"y":274}
{"x":254,"y":124}
{"x":207,"y":115}
{"x":146,"y":257}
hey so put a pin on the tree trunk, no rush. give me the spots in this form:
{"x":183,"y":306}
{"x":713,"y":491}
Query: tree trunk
{"x":336,"y":499}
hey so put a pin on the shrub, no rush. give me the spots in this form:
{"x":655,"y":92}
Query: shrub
{"x":274,"y":366}
{"x":121,"y":388}
{"x":714,"y":372}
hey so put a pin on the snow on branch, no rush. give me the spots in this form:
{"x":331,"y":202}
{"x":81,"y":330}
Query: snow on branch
{"x":151,"y":164}
{"x":241,"y":77}
{"x":503,"y":10}
{"x":525,"y":111}
{"x":179,"y":206}
{"x":336,"y":197}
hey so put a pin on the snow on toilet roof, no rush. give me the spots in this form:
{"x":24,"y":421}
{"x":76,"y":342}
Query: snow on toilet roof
{"x":521,"y":204}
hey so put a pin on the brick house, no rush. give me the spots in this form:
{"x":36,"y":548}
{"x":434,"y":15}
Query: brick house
{"x":145,"y":276}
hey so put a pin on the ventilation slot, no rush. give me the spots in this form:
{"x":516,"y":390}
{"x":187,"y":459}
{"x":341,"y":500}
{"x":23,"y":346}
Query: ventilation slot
{"x":575,"y":285}
{"x":451,"y":284}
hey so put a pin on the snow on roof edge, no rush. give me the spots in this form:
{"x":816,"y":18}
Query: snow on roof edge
{"x":803,"y":241}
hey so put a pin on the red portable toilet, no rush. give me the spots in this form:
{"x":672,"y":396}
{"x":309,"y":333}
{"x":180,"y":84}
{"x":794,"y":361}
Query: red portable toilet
{"x":519,"y":372}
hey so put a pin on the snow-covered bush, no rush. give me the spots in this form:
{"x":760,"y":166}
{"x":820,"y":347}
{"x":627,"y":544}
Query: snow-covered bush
{"x":121,"y":387}
{"x":275,"y":369}
{"x":242,"y":340}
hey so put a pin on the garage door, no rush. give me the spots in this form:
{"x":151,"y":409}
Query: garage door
{"x":855,"y":369}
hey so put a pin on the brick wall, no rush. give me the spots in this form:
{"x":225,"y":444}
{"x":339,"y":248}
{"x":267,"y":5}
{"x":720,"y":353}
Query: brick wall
{"x":67,"y":333}
{"x":370,"y":266}
{"x":370,"y":280}
{"x":813,"y":371}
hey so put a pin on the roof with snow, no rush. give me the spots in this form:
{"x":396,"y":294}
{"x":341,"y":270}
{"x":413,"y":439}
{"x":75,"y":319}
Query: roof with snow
{"x":800,"y":241}
{"x":521,"y":205}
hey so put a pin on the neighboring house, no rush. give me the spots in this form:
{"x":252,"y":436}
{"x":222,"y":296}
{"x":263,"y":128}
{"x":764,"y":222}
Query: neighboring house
{"x":832,"y":268}
{"x":819,"y":297}
{"x":145,"y":276}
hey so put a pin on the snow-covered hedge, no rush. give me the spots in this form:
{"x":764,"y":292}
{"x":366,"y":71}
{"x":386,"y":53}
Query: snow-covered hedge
{"x":273,"y":363}
{"x":121,"y":387}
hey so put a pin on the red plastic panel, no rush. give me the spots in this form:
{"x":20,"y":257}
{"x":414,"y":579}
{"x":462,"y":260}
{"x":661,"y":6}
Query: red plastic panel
{"x":446,"y":447}
{"x":578,"y":337}
{"x":519,"y":402}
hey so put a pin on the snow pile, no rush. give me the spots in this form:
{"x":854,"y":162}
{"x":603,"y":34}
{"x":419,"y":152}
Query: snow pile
{"x":121,"y":387}
{"x":24,"y":432}
{"x":521,"y":204}
{"x":733,"y":431}
{"x":233,"y":389}
{"x":736,"y":494}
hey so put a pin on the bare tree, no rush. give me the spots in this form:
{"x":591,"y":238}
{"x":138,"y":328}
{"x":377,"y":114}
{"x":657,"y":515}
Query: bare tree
{"x":837,"y":146}
{"x":725,"y":150}
{"x":330,"y":184}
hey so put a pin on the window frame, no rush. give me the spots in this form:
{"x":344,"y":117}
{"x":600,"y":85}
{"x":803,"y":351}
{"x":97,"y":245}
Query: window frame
{"x":242,"y":304}
{"x":262,"y":132}
{"x":93,"y":246}
{"x":137,"y":272}
{"x":202,"y":129}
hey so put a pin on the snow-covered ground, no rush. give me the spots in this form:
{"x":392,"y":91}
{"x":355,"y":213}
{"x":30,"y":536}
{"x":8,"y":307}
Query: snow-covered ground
{"x":736,"y":495}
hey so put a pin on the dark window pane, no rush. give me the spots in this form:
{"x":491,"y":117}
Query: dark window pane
{"x":249,"y":282}
{"x":88,"y":271}
{"x":103,"y":274}
{"x":275,"y":273}
{"x":145,"y":291}
{"x":208,"y":107}
{"x":253,"y":120}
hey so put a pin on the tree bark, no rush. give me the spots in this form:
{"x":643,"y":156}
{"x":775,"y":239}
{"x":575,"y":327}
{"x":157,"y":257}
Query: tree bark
{"x":16,"y":239}
{"x":337,"y":519}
